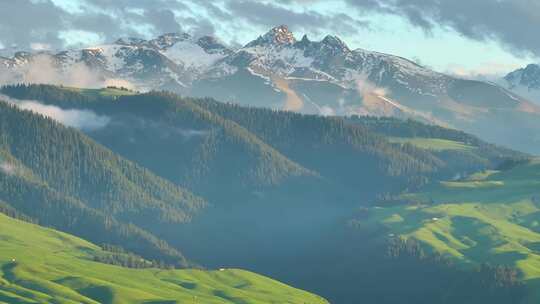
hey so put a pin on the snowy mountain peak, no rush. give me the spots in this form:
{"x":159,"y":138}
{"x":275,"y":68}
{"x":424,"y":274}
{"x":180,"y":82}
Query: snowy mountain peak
{"x":528,"y":77}
{"x":212,"y":45}
{"x":22,"y":57}
{"x":130,"y":41}
{"x":303,"y":43}
{"x":162,"y":42}
{"x":22,"y":54}
{"x":167,"y":40}
{"x":279,"y":35}
{"x":335,"y":43}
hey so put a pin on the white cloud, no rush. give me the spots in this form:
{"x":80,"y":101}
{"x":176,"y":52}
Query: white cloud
{"x":327,"y":111}
{"x":40,"y":46}
{"x":43,"y":70}
{"x":80,"y":119}
{"x":490,"y":71}
{"x":77,"y":38}
{"x":7,"y":168}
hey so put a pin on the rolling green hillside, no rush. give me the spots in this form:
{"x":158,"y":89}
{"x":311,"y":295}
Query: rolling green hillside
{"x":106,"y":92}
{"x":492,"y":216}
{"x":39,"y":265}
{"x":434,"y":144}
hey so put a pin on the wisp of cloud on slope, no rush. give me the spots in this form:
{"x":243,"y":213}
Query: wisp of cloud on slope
{"x":42,"y":69}
{"x":7,"y":168}
{"x":80,"y":119}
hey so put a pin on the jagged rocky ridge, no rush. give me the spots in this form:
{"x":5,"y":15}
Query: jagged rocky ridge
{"x":528,"y":77}
{"x":525,"y":82}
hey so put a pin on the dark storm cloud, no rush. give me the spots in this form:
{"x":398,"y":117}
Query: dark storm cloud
{"x":100,"y":23}
{"x":511,"y":22}
{"x":163,"y":20}
{"x":128,"y":14}
{"x":269,"y":15}
{"x":160,"y":14}
{"x":22,"y":22}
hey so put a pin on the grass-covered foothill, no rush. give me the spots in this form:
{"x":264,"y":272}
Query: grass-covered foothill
{"x":434,"y":144}
{"x":489,"y":217}
{"x":40,"y":265}
{"x":110,"y":91}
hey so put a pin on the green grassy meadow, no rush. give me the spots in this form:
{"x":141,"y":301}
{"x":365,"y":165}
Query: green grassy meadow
{"x":101,"y":92}
{"x":434,"y":144}
{"x":40,"y":265}
{"x":489,"y":217}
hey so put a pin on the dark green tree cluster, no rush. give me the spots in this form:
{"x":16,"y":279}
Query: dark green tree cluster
{"x":359,"y":152}
{"x":75,"y":165}
{"x":79,"y":187}
{"x":52,"y":95}
{"x":511,"y":163}
{"x":8,"y":210}
{"x":192,"y":146}
{"x":227,"y":150}
{"x":116,"y":255}
{"x":484,"y":284}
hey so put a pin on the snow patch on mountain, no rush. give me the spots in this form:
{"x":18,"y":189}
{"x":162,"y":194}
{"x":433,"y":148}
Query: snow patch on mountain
{"x":191,"y":55}
{"x":524,"y":82}
{"x":112,"y":56}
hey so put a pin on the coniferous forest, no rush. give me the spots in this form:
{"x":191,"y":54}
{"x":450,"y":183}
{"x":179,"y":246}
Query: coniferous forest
{"x":174,"y":182}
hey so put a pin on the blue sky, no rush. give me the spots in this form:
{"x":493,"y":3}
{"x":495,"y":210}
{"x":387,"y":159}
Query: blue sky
{"x":472,"y":37}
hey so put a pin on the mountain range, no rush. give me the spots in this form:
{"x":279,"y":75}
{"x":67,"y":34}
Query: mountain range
{"x":278,"y":71}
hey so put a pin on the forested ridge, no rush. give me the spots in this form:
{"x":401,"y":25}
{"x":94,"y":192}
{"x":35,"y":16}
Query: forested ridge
{"x":225,"y":185}
{"x":390,"y":126}
{"x":201,"y":142}
{"x":63,"y":179}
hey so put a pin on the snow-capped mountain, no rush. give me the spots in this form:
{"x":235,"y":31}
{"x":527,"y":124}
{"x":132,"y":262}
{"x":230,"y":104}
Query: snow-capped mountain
{"x":323,"y":77}
{"x":279,"y":53}
{"x":528,"y":77}
{"x":170,"y":61}
{"x":192,"y":53}
{"x":525,"y":82}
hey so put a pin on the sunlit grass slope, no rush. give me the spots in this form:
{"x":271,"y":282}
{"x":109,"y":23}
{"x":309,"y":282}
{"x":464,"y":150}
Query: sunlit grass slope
{"x":39,"y":265}
{"x":434,"y":144}
{"x":104,"y":92}
{"x":490,"y":217}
